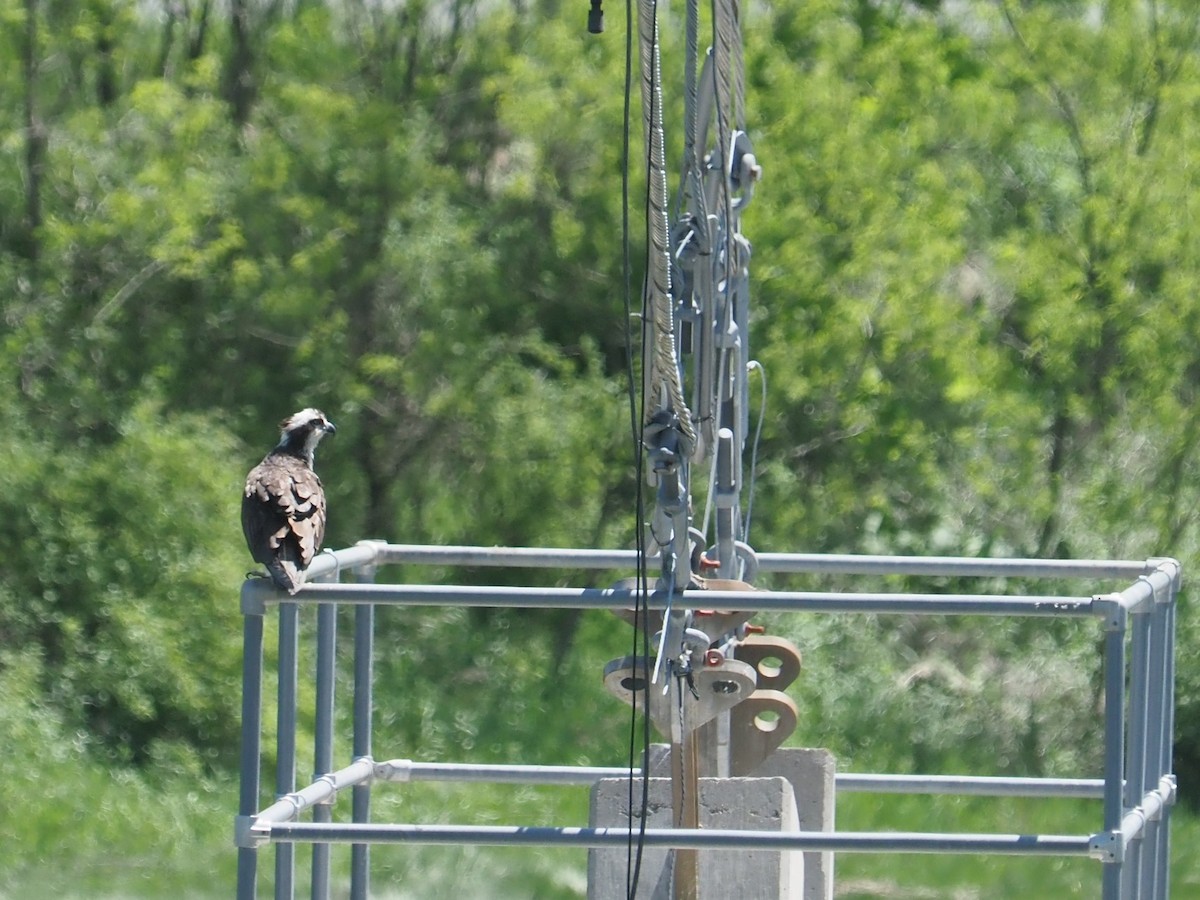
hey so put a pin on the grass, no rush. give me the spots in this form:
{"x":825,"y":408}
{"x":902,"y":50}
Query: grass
{"x":967,"y":877}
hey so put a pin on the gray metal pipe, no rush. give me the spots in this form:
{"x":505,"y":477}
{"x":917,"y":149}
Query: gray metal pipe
{"x":324,"y":789}
{"x":323,"y":736}
{"x":687,"y":838}
{"x":252,"y":669}
{"x":1114,"y":748}
{"x":1148,"y":587}
{"x":947,"y":566}
{"x":514,"y":557}
{"x":406,"y":770}
{"x":333,"y":562}
{"x":982,"y":786}
{"x":759,"y":601}
{"x":285,"y":764}
{"x":1151,"y":807}
{"x":375,"y":552}
{"x":364,"y":705}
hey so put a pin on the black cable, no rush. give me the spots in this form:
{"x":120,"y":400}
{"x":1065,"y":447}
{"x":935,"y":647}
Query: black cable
{"x":633,"y":861}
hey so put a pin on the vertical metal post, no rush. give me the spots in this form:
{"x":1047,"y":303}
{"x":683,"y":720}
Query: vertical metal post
{"x":1159,"y":737}
{"x":1137,"y":776}
{"x":364,"y":650}
{"x":252,"y":666}
{"x":1114,"y":741}
{"x":1137,"y":779}
{"x":285,"y":767}
{"x":323,"y":739}
{"x":1166,"y":748}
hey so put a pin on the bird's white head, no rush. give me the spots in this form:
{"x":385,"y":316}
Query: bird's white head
{"x":302,"y":431}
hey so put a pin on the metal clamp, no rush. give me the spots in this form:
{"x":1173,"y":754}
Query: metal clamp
{"x":1107,"y":847}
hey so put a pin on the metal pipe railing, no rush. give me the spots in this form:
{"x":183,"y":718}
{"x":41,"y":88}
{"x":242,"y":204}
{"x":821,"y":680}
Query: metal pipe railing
{"x":1137,"y":789}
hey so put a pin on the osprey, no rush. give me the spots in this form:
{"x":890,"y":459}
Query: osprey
{"x":283,"y":505}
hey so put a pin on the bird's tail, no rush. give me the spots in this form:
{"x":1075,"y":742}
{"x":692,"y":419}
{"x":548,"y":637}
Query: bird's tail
{"x":286,"y":573}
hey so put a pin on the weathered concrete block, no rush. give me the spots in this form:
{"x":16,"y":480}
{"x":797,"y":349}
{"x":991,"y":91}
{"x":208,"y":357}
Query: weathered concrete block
{"x":752,"y":804}
{"x":811,"y":773}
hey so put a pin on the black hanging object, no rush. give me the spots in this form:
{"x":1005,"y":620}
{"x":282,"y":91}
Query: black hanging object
{"x":596,"y":18}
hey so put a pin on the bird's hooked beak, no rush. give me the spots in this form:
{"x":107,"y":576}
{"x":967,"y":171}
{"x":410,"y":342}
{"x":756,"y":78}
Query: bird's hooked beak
{"x":329,"y":427}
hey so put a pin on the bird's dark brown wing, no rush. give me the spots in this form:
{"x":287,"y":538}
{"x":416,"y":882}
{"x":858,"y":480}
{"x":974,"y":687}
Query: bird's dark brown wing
{"x":283,"y":517}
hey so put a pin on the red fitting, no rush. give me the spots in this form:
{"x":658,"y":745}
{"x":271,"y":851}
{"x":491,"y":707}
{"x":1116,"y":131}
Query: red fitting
{"x":713,"y":657}
{"x":754,"y":629}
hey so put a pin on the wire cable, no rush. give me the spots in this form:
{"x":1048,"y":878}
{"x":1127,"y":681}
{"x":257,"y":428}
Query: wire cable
{"x":633,"y":859}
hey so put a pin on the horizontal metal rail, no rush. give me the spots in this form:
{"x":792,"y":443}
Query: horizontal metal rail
{"x":331,"y":562}
{"x":979,"y":786}
{"x":258,"y":829}
{"x":406,"y":770}
{"x":948,"y":566}
{"x":258,"y":592}
{"x":790,"y":563}
{"x":516,"y":557}
{"x":685,"y":838}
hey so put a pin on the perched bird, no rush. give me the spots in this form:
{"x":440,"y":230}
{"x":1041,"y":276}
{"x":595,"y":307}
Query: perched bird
{"x":283,"y":505}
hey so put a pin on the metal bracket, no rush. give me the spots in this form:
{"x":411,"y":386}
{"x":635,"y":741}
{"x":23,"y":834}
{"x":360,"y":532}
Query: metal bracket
{"x":398,"y":770}
{"x":1163,"y":563}
{"x":666,"y":440}
{"x":254,"y":594}
{"x":1107,"y":847}
{"x":248,"y":834}
{"x":1115,"y":613}
{"x":718,"y":688}
{"x":326,"y":778}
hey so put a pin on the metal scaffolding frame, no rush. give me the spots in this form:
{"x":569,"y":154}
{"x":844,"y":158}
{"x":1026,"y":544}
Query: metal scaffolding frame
{"x":1137,"y":789}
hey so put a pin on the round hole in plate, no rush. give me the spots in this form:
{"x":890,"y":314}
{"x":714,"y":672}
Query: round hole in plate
{"x":767,"y":720}
{"x":633,"y":683}
{"x":724,"y":687}
{"x":770,"y":667}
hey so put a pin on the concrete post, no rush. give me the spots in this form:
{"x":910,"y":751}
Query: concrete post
{"x":753,"y":804}
{"x":811,"y":773}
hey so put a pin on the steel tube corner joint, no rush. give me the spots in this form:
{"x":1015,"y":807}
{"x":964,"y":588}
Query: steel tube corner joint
{"x":249,"y":833}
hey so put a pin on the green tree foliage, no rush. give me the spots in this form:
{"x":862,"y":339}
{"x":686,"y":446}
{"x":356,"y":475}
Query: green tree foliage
{"x":977,"y":230}
{"x":119,"y":550}
{"x":975,"y":300}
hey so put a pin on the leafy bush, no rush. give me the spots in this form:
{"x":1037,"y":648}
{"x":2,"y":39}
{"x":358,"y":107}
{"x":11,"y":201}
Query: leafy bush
{"x":120,"y":585}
